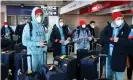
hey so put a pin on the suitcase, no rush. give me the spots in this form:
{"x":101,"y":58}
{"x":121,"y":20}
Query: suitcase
{"x":6,"y":44}
{"x":7,"y":58}
{"x":56,"y":74}
{"x":24,"y":76}
{"x":82,"y":53}
{"x":68,"y":65}
{"x":4,"y":71}
{"x":88,"y":68}
{"x":18,"y":64}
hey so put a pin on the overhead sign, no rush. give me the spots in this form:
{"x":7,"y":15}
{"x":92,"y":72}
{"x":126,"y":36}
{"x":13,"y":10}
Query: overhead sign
{"x":117,"y":8}
{"x":75,"y":5}
{"x":50,"y":10}
{"x":100,"y":6}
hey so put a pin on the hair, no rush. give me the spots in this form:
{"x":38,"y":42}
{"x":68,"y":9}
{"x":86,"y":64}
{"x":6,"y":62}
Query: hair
{"x":60,"y":18}
{"x":92,"y":22}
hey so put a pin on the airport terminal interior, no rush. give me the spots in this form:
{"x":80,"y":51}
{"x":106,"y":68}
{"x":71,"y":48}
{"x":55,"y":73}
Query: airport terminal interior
{"x":66,"y":39}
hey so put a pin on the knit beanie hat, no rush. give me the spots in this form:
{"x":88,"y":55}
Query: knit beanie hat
{"x":82,"y":22}
{"x":38,"y":11}
{"x":116,"y":15}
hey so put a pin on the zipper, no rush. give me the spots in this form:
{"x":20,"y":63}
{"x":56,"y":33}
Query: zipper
{"x":84,"y":39}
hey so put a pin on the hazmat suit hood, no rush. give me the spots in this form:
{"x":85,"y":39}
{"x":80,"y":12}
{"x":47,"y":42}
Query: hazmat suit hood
{"x":33,"y":15}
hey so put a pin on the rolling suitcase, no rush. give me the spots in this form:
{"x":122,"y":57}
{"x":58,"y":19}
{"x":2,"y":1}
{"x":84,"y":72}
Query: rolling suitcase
{"x":23,"y":75}
{"x":88,"y":68}
{"x":7,"y":58}
{"x":56,"y":74}
{"x":6,"y":73}
{"x":68,"y":65}
{"x":18,"y":64}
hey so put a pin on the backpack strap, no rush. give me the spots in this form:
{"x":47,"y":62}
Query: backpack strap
{"x":30,"y":26}
{"x":78,"y":31}
{"x":87,"y":31}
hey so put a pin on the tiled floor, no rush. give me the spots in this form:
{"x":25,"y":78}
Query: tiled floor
{"x":50,"y":61}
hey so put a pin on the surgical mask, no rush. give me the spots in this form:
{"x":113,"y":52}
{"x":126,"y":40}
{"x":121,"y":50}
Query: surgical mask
{"x":119,"y":22}
{"x":39,"y":19}
{"x":92,"y":26}
{"x":6,"y":25}
{"x":61,"y":24}
{"x":83,"y":26}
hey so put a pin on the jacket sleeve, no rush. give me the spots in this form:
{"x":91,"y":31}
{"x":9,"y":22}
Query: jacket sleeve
{"x":69,"y":32}
{"x":2,"y":31}
{"x":53,"y":36}
{"x":26,"y":38}
{"x":90,"y":36}
{"x":11,"y":30}
{"x":17,"y":30}
{"x":104,"y":36}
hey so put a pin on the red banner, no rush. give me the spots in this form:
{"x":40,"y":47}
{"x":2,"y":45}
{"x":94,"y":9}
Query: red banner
{"x":102,"y":5}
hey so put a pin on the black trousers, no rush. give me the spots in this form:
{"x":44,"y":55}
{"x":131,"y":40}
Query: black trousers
{"x":130,"y":69}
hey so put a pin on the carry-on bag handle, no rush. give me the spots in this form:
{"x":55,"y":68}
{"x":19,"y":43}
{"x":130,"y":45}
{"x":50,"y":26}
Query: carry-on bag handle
{"x":25,"y":56}
{"x":106,"y":65}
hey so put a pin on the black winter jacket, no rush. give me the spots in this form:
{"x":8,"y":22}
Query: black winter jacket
{"x":55,"y":34}
{"x":121,"y":48}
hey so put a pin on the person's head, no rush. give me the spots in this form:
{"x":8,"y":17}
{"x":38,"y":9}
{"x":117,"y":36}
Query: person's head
{"x":37,"y":15}
{"x":26,"y":21}
{"x":117,"y":17}
{"x":92,"y":24}
{"x":82,"y":23}
{"x":5,"y":24}
{"x":61,"y":22}
{"x":108,"y":22}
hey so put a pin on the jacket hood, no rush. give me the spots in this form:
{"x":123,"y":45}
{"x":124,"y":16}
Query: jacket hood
{"x":33,"y":15}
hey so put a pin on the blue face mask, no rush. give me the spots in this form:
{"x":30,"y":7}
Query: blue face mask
{"x":39,"y":19}
{"x":83,"y":26}
{"x":61,"y":24}
{"x":119,"y":22}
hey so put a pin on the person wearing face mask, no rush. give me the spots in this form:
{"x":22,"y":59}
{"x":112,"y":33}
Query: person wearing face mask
{"x":82,"y":38}
{"x":116,"y":39}
{"x":91,"y":26}
{"x":35,"y":43}
{"x":7,"y":36}
{"x":7,"y":31}
{"x":60,"y":38}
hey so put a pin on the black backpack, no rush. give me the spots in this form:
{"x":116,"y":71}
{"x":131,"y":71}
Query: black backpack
{"x":30,"y":26}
